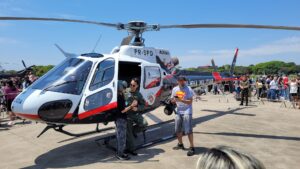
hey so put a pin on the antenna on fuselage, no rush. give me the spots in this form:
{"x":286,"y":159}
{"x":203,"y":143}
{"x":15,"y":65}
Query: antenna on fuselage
{"x":97,"y":42}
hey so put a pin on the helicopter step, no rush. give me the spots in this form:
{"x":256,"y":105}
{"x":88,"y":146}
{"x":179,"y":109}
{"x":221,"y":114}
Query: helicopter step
{"x":106,"y":140}
{"x":59,"y":128}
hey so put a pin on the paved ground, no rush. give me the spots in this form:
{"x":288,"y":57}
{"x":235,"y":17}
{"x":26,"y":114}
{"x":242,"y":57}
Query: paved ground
{"x":270,"y":133}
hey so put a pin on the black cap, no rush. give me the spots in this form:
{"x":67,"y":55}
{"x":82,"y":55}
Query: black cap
{"x":181,"y":78}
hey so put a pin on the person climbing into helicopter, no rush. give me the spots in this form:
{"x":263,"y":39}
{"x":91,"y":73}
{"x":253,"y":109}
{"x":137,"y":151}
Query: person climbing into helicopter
{"x":121,"y":122}
{"x":136,"y":122}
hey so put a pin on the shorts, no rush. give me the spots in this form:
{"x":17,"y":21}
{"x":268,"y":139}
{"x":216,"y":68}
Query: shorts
{"x":183,"y":123}
{"x":294,"y":94}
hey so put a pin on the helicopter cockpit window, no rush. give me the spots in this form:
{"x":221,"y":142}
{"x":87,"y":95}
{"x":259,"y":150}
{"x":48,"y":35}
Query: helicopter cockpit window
{"x":104,"y":74}
{"x":152,"y":77}
{"x":70,"y":77}
{"x":98,"y":99}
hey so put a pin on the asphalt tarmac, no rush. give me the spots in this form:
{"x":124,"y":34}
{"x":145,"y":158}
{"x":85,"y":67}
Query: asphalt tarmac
{"x":268,"y":131}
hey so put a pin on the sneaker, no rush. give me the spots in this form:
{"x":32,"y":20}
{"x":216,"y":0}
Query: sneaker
{"x":191,"y":151}
{"x":134,"y":153}
{"x":122,"y":157}
{"x":179,"y":147}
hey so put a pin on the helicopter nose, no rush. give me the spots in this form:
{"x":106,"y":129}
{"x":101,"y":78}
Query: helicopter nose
{"x":48,"y":107}
{"x":26,"y":105}
{"x":18,"y":109}
{"x":24,"y":110}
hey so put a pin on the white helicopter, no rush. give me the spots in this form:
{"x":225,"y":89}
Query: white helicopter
{"x":83,"y":88}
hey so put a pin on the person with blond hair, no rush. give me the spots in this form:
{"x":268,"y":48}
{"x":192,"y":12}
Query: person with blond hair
{"x":223,"y":157}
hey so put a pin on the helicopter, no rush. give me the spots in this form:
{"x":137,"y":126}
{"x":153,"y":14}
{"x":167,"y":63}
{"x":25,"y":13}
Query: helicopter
{"x":82,"y":89}
{"x":199,"y":80}
{"x":226,"y":76}
{"x":20,"y":73}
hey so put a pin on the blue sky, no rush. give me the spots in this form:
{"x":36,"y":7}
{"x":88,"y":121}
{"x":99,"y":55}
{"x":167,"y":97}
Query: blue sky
{"x":34,"y":41}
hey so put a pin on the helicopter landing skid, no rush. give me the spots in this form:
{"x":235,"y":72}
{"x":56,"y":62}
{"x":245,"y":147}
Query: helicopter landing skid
{"x":59,"y":128}
{"x":107,"y":139}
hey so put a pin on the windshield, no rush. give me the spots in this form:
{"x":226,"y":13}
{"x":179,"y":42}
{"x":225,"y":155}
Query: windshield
{"x":69,"y":77}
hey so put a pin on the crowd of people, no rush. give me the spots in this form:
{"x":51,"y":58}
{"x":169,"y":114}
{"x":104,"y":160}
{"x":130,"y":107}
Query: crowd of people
{"x":9,"y":89}
{"x":272,"y":87}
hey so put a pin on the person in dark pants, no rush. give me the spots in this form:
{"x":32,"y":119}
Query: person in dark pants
{"x":121,"y":123}
{"x":136,"y":122}
{"x":244,"y":85}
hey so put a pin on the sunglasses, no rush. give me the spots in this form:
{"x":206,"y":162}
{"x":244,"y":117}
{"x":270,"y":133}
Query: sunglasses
{"x":132,"y":85}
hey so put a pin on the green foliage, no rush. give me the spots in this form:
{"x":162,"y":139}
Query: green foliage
{"x":275,"y":67}
{"x":272,"y":67}
{"x":192,"y":69}
{"x":239,"y":70}
{"x":10,"y":72}
{"x":41,"y":70}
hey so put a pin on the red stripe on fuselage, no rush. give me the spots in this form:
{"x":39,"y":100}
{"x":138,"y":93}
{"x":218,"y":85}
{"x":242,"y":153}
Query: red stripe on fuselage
{"x":28,"y":116}
{"x":217,"y":76}
{"x":98,"y":110}
{"x":168,"y":76}
{"x":153,"y":83}
{"x":159,"y":92}
{"x":68,"y":116}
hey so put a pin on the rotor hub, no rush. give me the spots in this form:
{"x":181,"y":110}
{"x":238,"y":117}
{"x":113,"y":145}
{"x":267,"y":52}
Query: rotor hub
{"x":137,"y":28}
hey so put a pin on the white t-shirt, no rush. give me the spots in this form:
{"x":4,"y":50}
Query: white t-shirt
{"x":183,"y":93}
{"x":273,"y":85}
{"x":293,"y":87}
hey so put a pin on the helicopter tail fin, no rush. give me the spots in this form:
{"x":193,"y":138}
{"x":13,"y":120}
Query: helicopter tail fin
{"x":65,"y":53}
{"x":213,"y":65}
{"x":217,"y":76}
{"x":233,"y":61}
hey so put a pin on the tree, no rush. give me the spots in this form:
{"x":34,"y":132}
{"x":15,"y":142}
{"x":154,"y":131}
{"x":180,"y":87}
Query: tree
{"x":272,"y":67}
{"x":41,"y":70}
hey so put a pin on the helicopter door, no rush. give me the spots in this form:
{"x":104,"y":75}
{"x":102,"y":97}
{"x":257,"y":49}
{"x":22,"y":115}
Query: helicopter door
{"x":151,"y":82}
{"x":101,"y":92}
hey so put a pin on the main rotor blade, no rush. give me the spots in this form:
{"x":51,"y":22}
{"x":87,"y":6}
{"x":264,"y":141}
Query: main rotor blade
{"x":188,"y":26}
{"x":194,"y":26}
{"x":60,"y":20}
{"x":24,"y":64}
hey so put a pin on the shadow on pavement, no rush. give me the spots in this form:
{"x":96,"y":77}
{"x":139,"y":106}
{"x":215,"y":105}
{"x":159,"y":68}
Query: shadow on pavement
{"x":252,"y":136}
{"x":86,"y":151}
